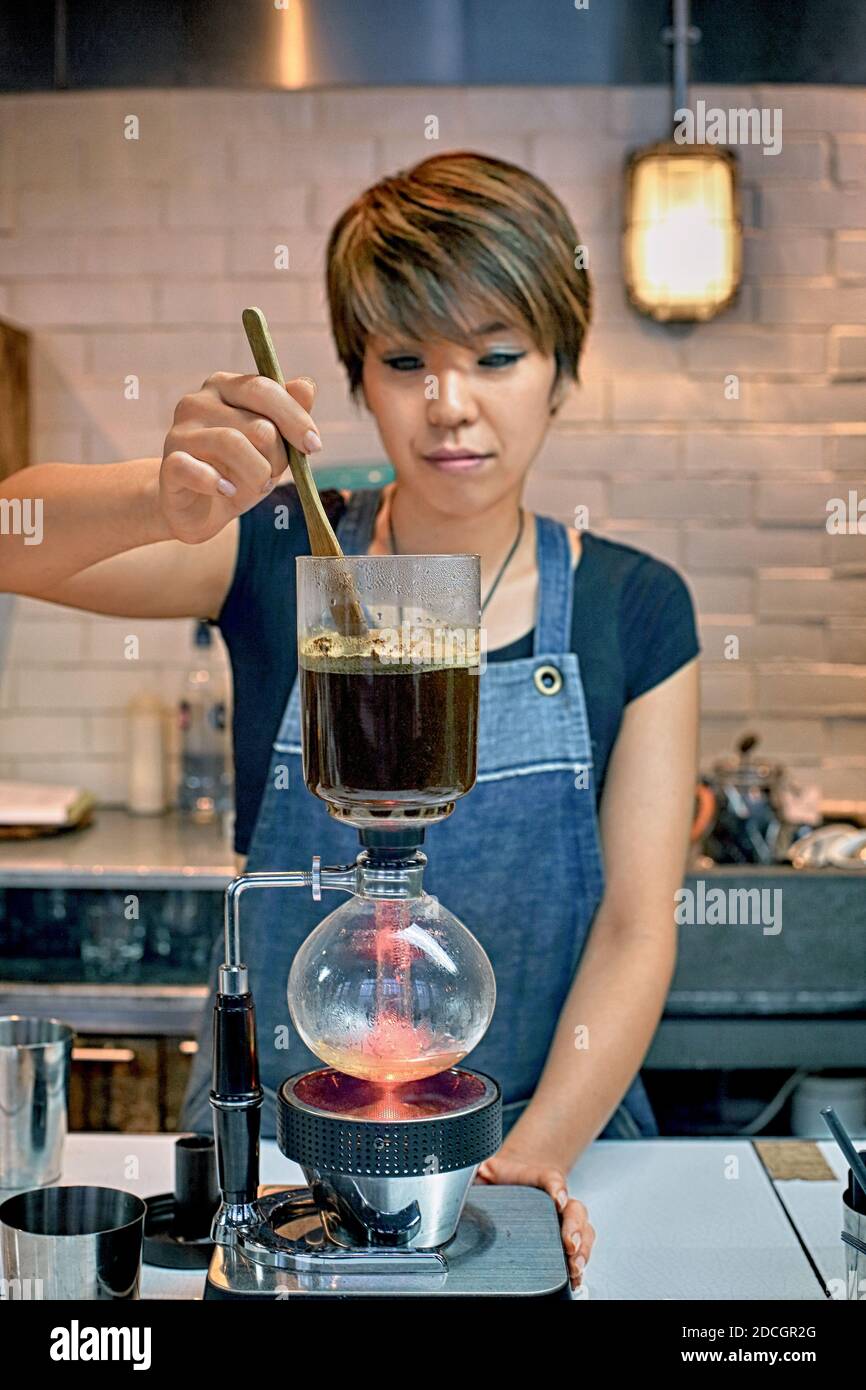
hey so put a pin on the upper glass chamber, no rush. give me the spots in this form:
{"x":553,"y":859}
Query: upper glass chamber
{"x":388,"y":661}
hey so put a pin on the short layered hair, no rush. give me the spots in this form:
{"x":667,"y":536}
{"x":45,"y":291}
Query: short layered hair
{"x":430,"y":251}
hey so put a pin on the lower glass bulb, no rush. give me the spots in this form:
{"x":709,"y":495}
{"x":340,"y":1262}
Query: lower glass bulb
{"x":391,"y":989}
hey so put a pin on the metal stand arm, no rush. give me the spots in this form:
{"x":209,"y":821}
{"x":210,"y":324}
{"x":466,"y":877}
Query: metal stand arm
{"x":236,"y":1096}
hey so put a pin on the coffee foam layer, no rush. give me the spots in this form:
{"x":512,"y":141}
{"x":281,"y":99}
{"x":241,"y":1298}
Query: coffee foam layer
{"x":406,"y":647}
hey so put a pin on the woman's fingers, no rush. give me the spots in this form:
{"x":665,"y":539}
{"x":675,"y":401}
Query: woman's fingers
{"x":226,"y":445}
{"x":304,"y":389}
{"x":263,"y":397}
{"x":507,"y":1167}
{"x":553,"y":1182}
{"x":578,"y":1238}
{"x":238,"y":424}
{"x":575,"y":1224}
{"x":578,"y":1235}
{"x":236,"y":458}
{"x":208,"y":410}
{"x":183,"y":472}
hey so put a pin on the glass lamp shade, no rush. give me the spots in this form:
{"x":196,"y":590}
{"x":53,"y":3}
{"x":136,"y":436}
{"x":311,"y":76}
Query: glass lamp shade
{"x":682,"y":241}
{"x":391,"y":990}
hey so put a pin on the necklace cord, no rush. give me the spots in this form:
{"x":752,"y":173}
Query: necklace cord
{"x":504,"y":566}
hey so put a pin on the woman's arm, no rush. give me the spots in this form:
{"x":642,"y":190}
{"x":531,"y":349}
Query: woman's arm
{"x":614,"y":1005}
{"x":154,"y":537}
{"x":165,"y":580}
{"x":105,"y":545}
{"x":73,"y":516}
{"x":619,"y":991}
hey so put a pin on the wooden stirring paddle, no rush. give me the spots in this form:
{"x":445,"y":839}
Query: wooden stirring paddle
{"x":346,"y":607}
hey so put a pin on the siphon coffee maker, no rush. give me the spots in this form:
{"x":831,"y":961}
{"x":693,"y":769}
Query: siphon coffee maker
{"x":390,"y":990}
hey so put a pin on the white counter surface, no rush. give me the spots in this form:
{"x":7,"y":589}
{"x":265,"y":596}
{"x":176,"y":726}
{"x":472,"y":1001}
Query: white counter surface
{"x":675,"y":1218}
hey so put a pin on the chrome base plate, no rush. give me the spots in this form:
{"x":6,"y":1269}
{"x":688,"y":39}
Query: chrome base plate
{"x":507,"y":1246}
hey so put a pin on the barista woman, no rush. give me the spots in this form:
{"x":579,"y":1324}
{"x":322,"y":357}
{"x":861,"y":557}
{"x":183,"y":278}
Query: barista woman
{"x":460,"y":318}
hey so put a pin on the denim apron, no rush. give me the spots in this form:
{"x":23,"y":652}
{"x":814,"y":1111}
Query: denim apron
{"x":518,"y":861}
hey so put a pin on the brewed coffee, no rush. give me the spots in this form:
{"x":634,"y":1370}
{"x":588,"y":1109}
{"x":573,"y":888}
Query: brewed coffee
{"x":384,"y":728}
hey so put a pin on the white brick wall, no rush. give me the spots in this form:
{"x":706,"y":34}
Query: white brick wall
{"x":137,"y":257}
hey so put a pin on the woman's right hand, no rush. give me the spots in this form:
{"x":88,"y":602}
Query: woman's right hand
{"x":225,"y":449}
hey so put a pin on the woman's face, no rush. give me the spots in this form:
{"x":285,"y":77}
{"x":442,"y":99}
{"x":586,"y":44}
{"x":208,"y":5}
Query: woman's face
{"x":437,"y":397}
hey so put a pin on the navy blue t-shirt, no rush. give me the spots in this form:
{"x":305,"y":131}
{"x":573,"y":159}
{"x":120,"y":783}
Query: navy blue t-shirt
{"x":633,"y":625}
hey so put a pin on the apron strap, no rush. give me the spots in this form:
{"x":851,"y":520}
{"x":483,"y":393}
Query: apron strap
{"x":355,"y":527}
{"x":555,"y":587}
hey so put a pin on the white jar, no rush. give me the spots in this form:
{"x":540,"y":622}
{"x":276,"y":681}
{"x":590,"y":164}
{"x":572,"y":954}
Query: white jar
{"x":145,"y":757}
{"x":846,"y":1094}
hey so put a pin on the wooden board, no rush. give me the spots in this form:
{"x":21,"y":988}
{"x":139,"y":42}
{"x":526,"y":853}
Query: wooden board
{"x":786,"y":1159}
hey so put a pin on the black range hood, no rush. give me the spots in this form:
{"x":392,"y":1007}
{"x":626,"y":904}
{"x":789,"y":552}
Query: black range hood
{"x":298,"y":44}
